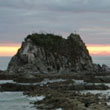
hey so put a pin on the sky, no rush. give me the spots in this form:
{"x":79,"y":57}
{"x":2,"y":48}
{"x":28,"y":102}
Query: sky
{"x":89,"y":18}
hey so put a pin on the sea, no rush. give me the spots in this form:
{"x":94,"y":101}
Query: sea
{"x":101,"y":60}
{"x":4,"y":61}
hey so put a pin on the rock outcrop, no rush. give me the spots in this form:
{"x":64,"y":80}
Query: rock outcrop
{"x":48,"y":53}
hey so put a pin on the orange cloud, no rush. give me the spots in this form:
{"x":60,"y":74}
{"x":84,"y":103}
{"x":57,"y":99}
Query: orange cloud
{"x":98,"y":50}
{"x":8,"y":49}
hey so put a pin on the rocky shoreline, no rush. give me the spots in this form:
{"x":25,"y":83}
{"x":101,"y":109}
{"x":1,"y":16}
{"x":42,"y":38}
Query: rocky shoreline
{"x":64,"y":96}
{"x":61,"y":91}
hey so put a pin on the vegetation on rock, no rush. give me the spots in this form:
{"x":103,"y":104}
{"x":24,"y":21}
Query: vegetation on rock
{"x":50,"y":41}
{"x":59,"y":44}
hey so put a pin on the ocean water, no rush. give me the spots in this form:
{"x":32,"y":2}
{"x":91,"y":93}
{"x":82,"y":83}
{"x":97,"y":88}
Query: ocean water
{"x":101,"y":60}
{"x":4,"y":62}
{"x":15,"y":101}
{"x":96,"y":59}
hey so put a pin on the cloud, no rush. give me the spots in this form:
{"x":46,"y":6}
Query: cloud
{"x":21,"y":17}
{"x":96,"y":29}
{"x":96,"y":34}
{"x":58,"y":5}
{"x":103,"y":50}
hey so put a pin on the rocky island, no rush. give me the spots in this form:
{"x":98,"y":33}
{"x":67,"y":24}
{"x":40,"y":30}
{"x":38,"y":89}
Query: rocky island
{"x":61,"y":70}
{"x":48,"y":53}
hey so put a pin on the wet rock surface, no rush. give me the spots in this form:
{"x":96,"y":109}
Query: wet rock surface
{"x":62,"y":91}
{"x":67,"y":99}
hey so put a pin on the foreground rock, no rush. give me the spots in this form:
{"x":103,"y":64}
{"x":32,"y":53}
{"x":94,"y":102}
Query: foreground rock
{"x":4,"y":75}
{"x":61,"y":91}
{"x":54,"y":84}
{"x":71,"y":101}
{"x":64,"y":98}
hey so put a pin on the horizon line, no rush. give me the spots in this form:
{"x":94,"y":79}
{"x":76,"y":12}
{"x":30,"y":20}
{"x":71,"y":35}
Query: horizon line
{"x":10,"y":49}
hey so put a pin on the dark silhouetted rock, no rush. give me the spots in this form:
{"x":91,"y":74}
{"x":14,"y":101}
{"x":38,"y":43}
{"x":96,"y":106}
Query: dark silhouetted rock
{"x":48,"y":53}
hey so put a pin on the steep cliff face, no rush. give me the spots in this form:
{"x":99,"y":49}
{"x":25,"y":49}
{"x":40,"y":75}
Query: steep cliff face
{"x":47,"y":53}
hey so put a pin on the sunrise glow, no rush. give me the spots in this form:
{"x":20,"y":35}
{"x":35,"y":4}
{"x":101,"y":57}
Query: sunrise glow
{"x":94,"y":50}
{"x":99,"y":50}
{"x":8,"y":49}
